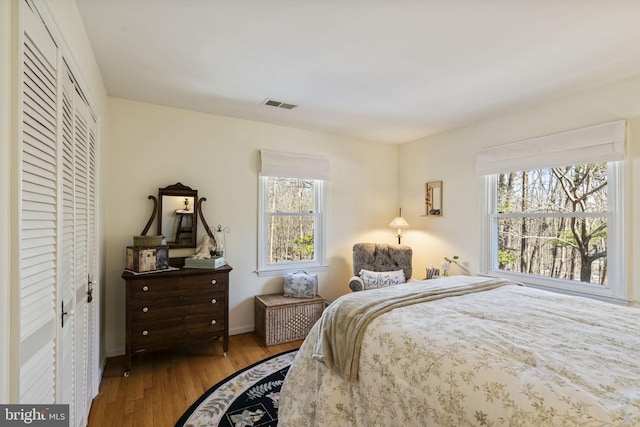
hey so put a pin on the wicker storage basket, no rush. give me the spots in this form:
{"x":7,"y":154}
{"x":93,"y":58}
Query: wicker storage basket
{"x":147,"y":240}
{"x":280,"y":319}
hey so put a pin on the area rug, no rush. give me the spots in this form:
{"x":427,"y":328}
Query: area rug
{"x":247,"y":398}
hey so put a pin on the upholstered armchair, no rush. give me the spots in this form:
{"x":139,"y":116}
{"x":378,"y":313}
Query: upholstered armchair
{"x":376,"y":265}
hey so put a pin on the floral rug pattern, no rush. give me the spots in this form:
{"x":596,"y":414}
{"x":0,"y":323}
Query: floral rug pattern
{"x":247,"y":398}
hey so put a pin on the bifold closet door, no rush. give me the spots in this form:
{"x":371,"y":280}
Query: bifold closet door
{"x":57,"y":338}
{"x":81,"y":238}
{"x":92,"y":354}
{"x":66,"y":331}
{"x":38,"y":212}
{"x":76,"y":357}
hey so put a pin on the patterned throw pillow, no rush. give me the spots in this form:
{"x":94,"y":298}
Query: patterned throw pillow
{"x":300,"y":285}
{"x":370,"y":278}
{"x":381,"y":279}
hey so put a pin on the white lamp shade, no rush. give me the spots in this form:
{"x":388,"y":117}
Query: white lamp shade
{"x":399,"y":223}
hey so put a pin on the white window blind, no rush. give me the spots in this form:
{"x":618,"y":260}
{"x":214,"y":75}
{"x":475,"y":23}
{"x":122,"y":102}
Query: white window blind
{"x":600,"y":143}
{"x":288,"y":165}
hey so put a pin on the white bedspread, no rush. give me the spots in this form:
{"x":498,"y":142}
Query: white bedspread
{"x":510,"y":356}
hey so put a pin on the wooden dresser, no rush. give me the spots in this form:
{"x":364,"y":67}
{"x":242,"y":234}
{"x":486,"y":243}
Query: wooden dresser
{"x":176,"y":307}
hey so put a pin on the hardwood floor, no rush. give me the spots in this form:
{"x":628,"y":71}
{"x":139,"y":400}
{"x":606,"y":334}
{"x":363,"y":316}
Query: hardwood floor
{"x":163,"y":384}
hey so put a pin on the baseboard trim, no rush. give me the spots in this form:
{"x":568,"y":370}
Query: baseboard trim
{"x":242,"y":330}
{"x":113,"y":352}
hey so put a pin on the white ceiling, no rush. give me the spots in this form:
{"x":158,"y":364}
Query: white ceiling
{"x":390,"y":71}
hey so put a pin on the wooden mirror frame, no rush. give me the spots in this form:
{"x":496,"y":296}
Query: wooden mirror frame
{"x":178,"y":190}
{"x":433,"y":198}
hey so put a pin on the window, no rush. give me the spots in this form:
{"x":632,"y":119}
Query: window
{"x":552,"y":222}
{"x":558,"y":227}
{"x":292,"y":220}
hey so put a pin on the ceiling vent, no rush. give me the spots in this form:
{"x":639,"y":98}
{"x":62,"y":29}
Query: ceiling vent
{"x":278,"y":104}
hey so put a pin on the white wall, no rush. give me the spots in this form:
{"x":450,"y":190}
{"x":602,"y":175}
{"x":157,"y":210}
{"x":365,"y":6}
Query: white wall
{"x":152,"y":146}
{"x":450,"y":157}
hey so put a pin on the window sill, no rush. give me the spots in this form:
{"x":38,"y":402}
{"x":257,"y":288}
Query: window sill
{"x":562,"y":287}
{"x":282,"y":270}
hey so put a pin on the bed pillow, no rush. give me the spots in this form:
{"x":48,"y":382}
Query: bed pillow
{"x":381,"y":279}
{"x":300,"y":285}
{"x":389,"y":278}
{"x":370,"y":278}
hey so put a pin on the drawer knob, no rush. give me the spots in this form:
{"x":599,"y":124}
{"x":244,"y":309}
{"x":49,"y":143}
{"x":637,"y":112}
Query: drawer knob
{"x":214,"y":281}
{"x":213,"y":322}
{"x":145,"y":309}
{"x":145,"y":288}
{"x":213,"y":301}
{"x":145,"y":333}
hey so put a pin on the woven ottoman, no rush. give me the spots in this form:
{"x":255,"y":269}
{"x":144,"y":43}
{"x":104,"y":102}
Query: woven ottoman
{"x":280,"y":319}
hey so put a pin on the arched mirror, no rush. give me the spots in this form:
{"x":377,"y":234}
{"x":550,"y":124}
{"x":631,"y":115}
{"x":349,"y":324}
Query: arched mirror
{"x":178,"y":215}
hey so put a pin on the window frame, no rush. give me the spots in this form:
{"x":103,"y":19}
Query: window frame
{"x":319,"y":239}
{"x":616,"y":289}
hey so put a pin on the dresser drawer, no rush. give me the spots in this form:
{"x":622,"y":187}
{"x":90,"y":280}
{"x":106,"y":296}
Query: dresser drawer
{"x":149,"y":335}
{"x":218,"y":281}
{"x":178,"y":286}
{"x":159,"y":300}
{"x":150,"y":312}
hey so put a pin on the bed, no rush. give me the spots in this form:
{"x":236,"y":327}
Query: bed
{"x":472,"y":352}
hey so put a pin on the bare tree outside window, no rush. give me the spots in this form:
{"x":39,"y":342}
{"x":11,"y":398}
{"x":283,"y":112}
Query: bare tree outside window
{"x":552,"y":222}
{"x":291,"y":219}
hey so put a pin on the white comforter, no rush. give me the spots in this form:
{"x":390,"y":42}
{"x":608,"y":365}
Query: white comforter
{"x":511,"y":356}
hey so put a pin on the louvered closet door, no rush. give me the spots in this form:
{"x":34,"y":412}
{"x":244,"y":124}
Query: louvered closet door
{"x":93,"y":379}
{"x":81,"y":238}
{"x":66,"y":332}
{"x":38,"y":213}
{"x":77,"y":359}
{"x":58,"y":357}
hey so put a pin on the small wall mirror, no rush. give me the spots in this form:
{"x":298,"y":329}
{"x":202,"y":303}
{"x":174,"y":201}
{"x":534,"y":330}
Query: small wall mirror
{"x":178,"y":215}
{"x":433,"y":198}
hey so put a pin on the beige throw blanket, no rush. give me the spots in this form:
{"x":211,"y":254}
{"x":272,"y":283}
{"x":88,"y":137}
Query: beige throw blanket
{"x":344,"y":322}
